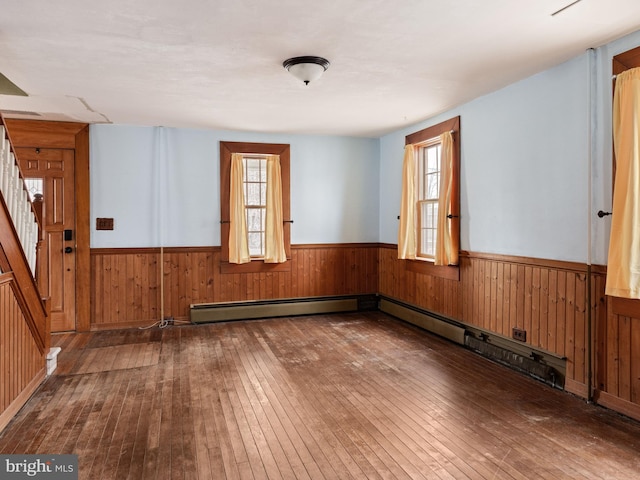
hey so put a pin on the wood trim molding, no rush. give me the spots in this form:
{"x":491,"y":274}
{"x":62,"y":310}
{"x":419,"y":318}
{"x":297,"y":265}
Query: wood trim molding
{"x":433,"y":131}
{"x":6,"y":278}
{"x":577,"y":388}
{"x":532,"y":261}
{"x":226,"y":151}
{"x":43,"y":133}
{"x":83,"y":231}
{"x":626,"y":60}
{"x":537,"y":262}
{"x":21,"y":399}
{"x":450,"y":272}
{"x":255,"y":266}
{"x":619,"y":405}
{"x":308,"y":246}
{"x":217,"y":248}
{"x":124,"y":250}
{"x":23,"y":285}
{"x":626,"y":307}
{"x":147,"y":250}
{"x":96,"y":327}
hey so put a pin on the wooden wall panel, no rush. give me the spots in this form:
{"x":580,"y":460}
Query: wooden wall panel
{"x":618,"y":360}
{"x":124,"y":288}
{"x":432,"y":293}
{"x":21,"y":362}
{"x":125,"y":283}
{"x":547,"y":298}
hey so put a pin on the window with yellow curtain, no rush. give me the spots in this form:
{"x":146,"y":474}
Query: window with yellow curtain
{"x":255,"y":225}
{"x":623,"y":268}
{"x":429,"y":218}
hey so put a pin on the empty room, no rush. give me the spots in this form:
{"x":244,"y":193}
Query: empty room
{"x":324,"y":240}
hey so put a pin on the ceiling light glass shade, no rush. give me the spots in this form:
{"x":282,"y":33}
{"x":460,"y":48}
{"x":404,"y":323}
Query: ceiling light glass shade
{"x":306,"y":69}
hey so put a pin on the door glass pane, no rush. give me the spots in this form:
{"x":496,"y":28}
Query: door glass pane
{"x":35,"y":186}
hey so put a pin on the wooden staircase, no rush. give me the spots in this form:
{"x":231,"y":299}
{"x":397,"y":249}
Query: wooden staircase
{"x":24,"y":323}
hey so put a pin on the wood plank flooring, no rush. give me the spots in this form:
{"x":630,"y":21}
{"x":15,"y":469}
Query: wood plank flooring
{"x":334,"y":397}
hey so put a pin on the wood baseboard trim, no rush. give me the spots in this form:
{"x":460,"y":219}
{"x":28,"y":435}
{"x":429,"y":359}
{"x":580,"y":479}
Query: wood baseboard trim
{"x":96,"y":327}
{"x":577,"y":388}
{"x":618,"y":404}
{"x":21,"y":399}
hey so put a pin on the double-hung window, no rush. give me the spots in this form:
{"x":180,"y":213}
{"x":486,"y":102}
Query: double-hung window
{"x":428,"y":194}
{"x":429,"y":217}
{"x":254,"y":200}
{"x":254,"y":183}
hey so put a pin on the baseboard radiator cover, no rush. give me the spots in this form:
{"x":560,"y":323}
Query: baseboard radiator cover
{"x":548,"y":370}
{"x":284,"y":307}
{"x":539,"y":364}
{"x":430,"y":322}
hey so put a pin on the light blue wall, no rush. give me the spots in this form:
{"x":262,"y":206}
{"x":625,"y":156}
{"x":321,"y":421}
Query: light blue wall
{"x":528,"y":186}
{"x":536,"y":163}
{"x":161,"y":186}
{"x":524,"y":167}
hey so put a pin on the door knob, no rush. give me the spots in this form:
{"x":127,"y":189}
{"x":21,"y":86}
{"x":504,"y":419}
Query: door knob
{"x":68,"y":249}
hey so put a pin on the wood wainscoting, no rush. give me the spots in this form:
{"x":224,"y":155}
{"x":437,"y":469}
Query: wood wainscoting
{"x":22,"y":363}
{"x":554,"y":302}
{"x":548,"y":299}
{"x":618,"y":378}
{"x":125,"y":283}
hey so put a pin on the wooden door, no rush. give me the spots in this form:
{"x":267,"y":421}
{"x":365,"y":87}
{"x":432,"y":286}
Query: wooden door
{"x":57,"y":259}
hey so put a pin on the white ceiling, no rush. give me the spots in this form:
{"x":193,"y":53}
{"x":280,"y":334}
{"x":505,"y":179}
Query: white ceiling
{"x":218,"y":64}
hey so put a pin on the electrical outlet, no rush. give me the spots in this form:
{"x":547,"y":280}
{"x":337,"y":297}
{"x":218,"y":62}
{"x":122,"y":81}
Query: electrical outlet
{"x":519,"y":334}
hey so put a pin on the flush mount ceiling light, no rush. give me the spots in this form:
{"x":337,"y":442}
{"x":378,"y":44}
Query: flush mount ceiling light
{"x":306,"y":68}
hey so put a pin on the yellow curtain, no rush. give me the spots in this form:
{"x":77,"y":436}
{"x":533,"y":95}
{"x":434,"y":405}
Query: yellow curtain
{"x":238,"y":243}
{"x":623,"y":269}
{"x":446,"y":246}
{"x":407,"y":241}
{"x":274,"y":232}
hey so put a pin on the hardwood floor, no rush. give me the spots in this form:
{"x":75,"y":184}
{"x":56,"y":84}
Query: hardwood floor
{"x":335,"y":397}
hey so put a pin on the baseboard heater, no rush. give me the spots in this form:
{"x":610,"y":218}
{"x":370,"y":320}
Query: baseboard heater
{"x":226,"y":311}
{"x":539,"y":364}
{"x":536,"y":363}
{"x":423,"y":319}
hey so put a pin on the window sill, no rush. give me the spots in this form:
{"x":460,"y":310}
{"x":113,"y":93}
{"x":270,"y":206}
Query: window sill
{"x":255,"y":266}
{"x":426,"y":267}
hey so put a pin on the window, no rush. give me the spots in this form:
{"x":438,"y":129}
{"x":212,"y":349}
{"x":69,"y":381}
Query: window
{"x":428,"y":160}
{"x":622,"y":262}
{"x":254,"y":190}
{"x":254,"y":181}
{"x":35,"y":186}
{"x":429,"y":221}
